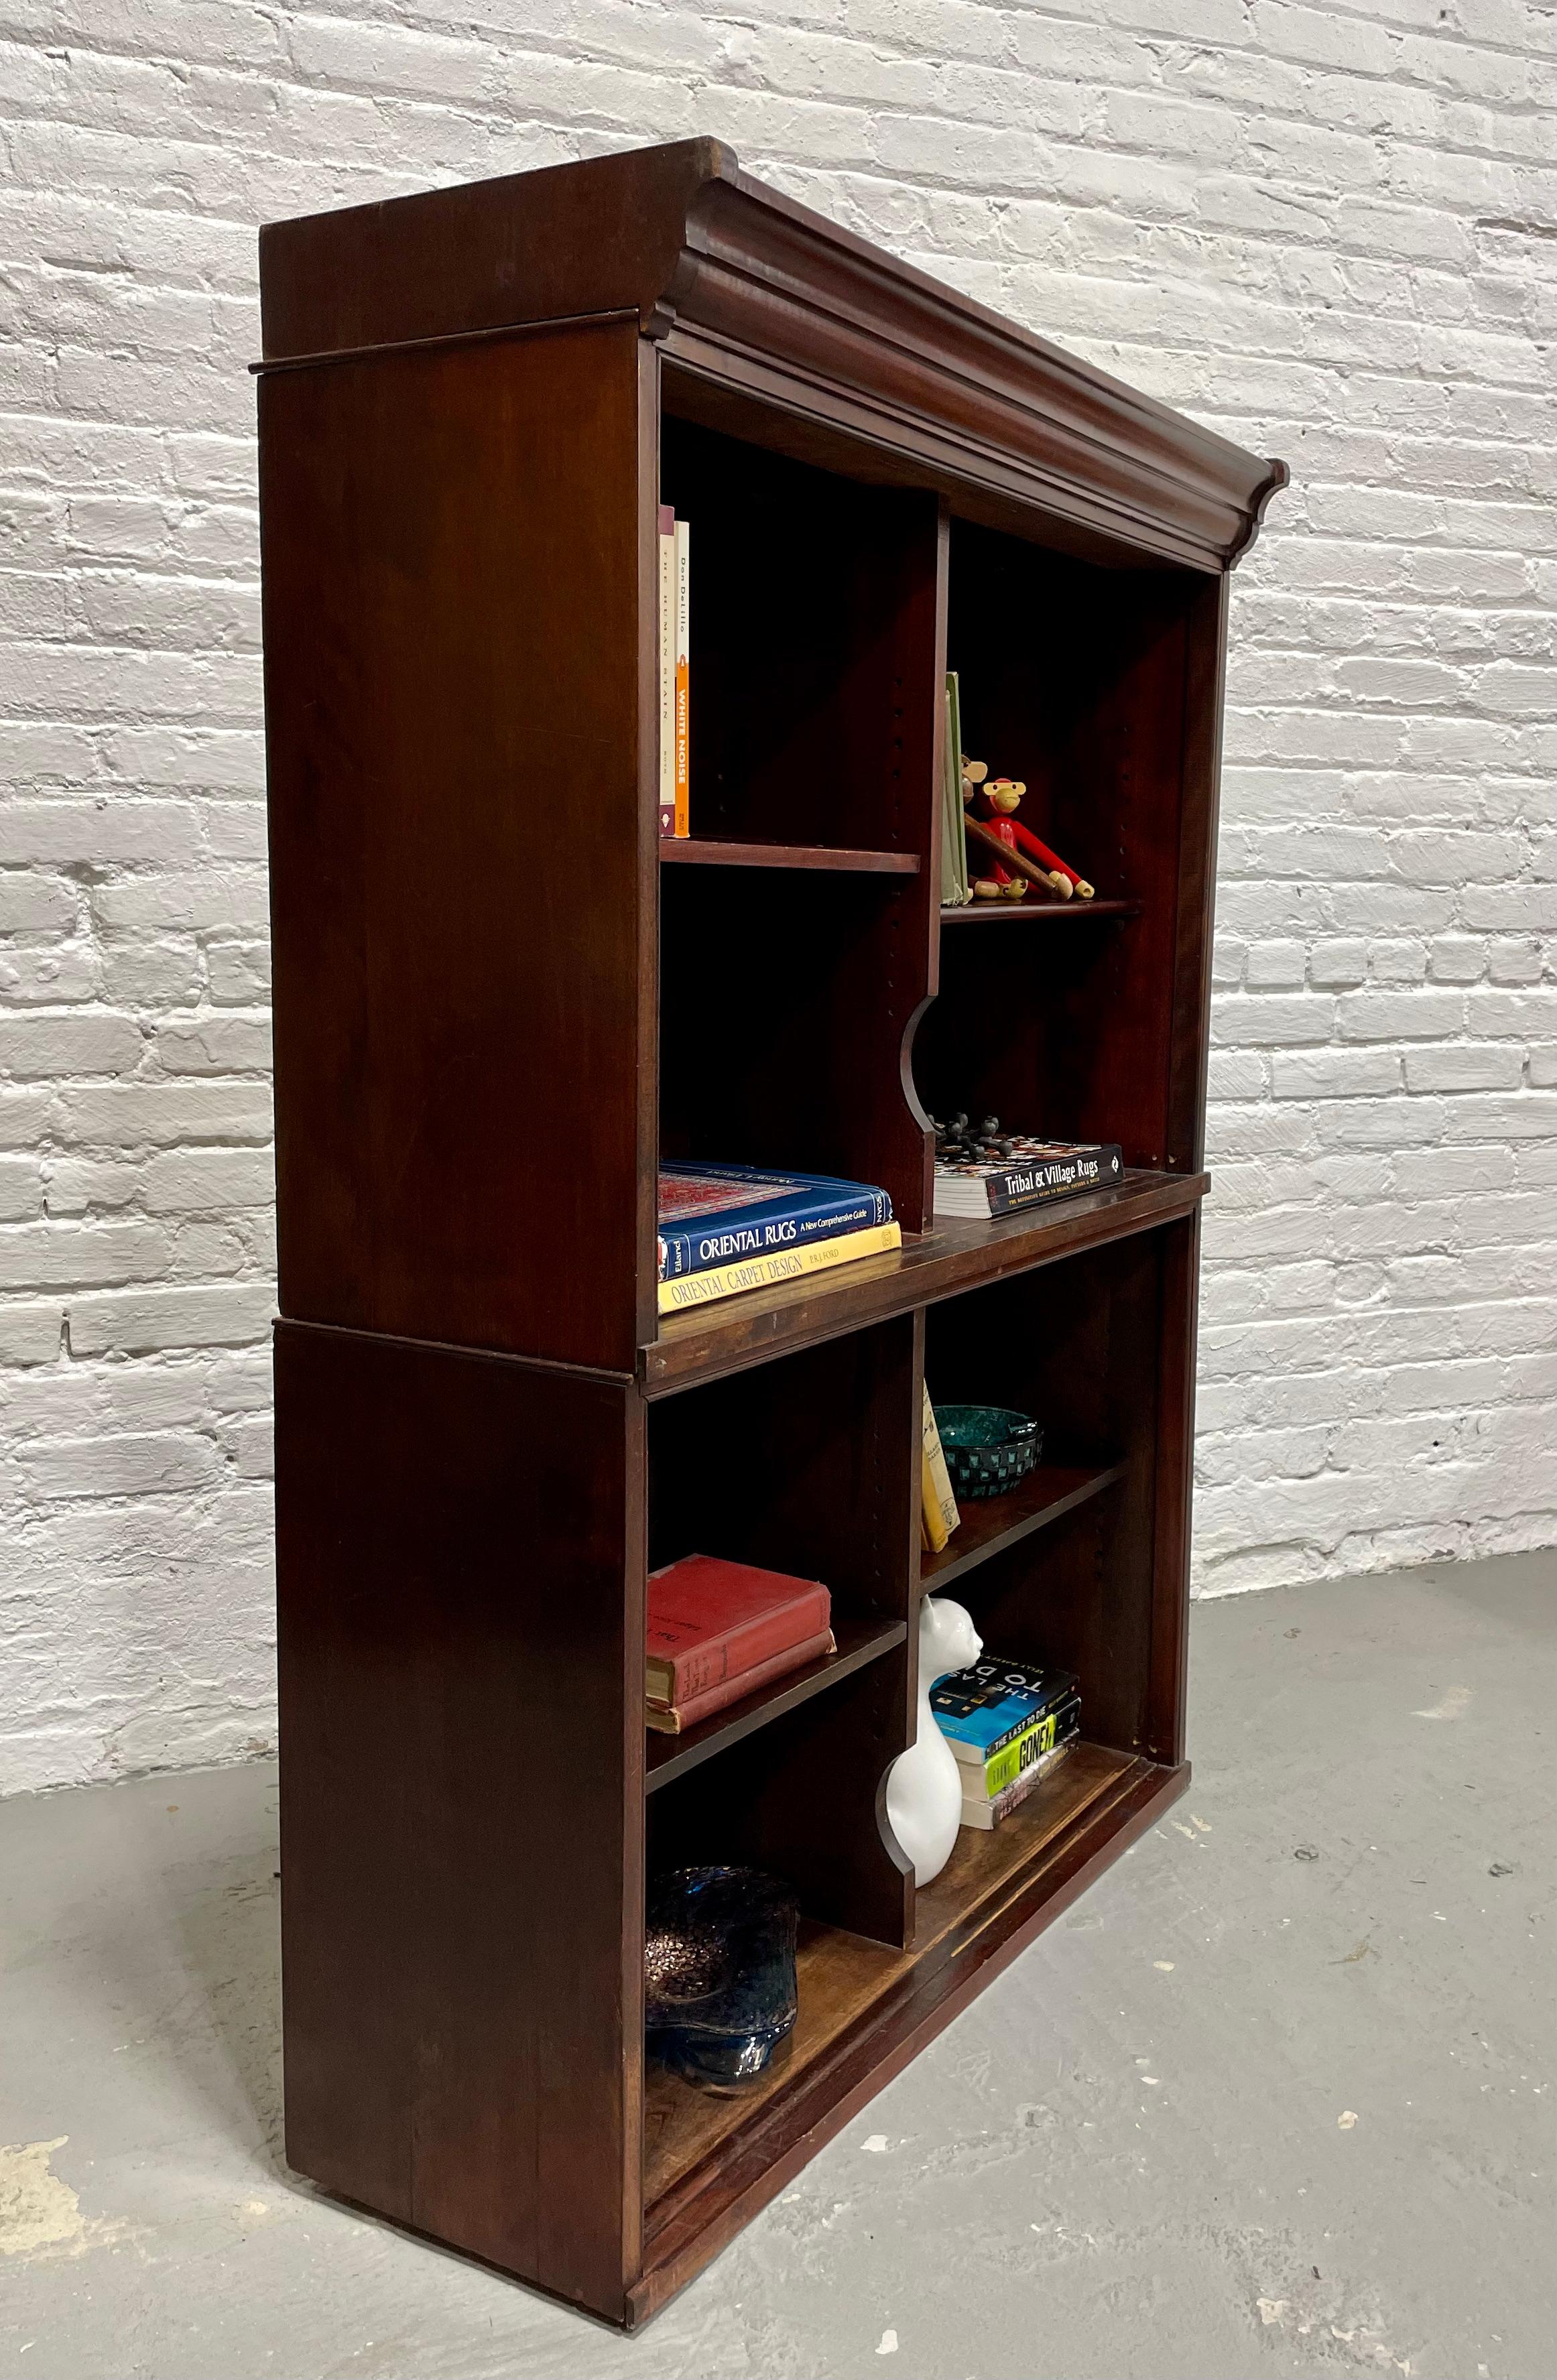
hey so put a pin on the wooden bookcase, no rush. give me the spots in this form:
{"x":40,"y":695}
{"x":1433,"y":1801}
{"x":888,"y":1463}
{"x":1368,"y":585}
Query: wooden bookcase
{"x":499,"y":998}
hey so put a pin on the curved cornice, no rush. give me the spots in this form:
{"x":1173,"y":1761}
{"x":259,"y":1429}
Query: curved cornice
{"x":737,"y":284}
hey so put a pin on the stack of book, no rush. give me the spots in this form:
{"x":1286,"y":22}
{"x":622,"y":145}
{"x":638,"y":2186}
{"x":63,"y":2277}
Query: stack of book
{"x":676,"y":611}
{"x":1028,"y":1173}
{"x":717,"y":1630}
{"x":955,"y":890}
{"x":728,"y":1227}
{"x":1008,"y":1723}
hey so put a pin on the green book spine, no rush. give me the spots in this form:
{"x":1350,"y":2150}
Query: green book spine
{"x":959,"y":823}
{"x":951,"y":894}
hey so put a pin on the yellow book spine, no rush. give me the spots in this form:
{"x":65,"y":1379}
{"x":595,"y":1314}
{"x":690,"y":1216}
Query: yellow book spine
{"x":933,"y":1521}
{"x":940,"y":1477}
{"x":783,"y":1263}
{"x":681,"y":792}
{"x":667,"y":676}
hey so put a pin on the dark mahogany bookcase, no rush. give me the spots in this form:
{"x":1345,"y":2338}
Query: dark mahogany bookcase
{"x":499,"y":1000}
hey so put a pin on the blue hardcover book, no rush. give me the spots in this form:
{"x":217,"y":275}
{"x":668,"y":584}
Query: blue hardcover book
{"x":984,"y":1710}
{"x":719,"y":1214}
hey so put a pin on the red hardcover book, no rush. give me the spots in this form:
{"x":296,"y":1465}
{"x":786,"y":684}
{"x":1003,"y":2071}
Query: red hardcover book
{"x":710,"y":1619}
{"x":736,"y":1688}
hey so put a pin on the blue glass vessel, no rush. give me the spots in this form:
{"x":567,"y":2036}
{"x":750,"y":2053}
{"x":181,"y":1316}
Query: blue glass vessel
{"x":719,"y":1990}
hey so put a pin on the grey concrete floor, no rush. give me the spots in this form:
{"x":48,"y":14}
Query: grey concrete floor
{"x":1274,"y":2098}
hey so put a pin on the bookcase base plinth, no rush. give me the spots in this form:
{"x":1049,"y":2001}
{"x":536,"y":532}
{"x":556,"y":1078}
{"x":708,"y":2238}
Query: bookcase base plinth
{"x":980,"y":1917}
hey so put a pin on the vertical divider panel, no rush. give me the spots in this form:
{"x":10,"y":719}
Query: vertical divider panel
{"x":459,"y":1575}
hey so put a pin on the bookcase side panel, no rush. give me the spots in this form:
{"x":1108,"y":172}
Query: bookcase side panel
{"x":1205,"y":676}
{"x":459,"y":1573}
{"x":457,"y":546}
{"x":1175,"y":1482}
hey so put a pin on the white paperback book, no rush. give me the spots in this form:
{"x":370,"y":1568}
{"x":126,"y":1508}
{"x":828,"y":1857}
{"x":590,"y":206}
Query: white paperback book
{"x":667,"y":669}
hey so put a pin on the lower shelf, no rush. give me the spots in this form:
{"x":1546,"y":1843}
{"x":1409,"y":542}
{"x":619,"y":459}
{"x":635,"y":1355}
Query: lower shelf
{"x":859,"y":1641}
{"x":867,"y":2008}
{"x":990,"y":1523}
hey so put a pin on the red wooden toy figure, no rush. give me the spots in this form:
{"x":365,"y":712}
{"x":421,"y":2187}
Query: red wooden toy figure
{"x":992,"y":800}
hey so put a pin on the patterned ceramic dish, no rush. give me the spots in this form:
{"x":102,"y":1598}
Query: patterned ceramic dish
{"x":986,"y":1448}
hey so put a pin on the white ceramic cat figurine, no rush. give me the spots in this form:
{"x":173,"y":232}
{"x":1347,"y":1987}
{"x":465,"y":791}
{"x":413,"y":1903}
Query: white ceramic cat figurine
{"x":924,"y":1784}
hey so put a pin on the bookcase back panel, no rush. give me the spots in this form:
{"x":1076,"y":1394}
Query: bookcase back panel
{"x":787,"y":1003}
{"x":800,"y":1800}
{"x":1076,"y":681}
{"x":455,"y":563}
{"x":459,"y":1583}
{"x":1074,"y":1345}
{"x":813,"y":647}
{"x":808,"y":1464}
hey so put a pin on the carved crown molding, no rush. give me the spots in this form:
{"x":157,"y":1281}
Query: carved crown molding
{"x":742,"y":287}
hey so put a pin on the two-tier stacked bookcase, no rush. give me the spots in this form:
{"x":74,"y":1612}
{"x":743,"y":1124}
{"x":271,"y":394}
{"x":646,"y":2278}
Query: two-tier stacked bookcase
{"x":499,"y":998}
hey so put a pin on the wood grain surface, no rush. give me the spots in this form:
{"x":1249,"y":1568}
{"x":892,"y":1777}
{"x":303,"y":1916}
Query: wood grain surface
{"x":452,"y":627}
{"x":462,"y":1970}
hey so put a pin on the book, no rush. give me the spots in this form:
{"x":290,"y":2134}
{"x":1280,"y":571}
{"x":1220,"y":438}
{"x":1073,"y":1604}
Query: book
{"x":783,"y":1264}
{"x":681,"y":807}
{"x":1011,"y":1763}
{"x":948,"y":899}
{"x":977,"y":1810}
{"x":981,"y":1708}
{"x":1000,"y":1715}
{"x":667,"y":669}
{"x":965,"y":889}
{"x":1035,"y":1171}
{"x":718,"y":1214}
{"x":955,"y":893}
{"x":940,"y":1506}
{"x":707,"y":1620}
{"x":933,"y":1528}
{"x":674,"y":1718}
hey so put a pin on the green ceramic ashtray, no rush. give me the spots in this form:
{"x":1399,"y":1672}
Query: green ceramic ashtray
{"x":986,"y":1448}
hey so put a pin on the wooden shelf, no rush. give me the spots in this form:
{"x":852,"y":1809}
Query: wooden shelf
{"x":1014,"y":913}
{"x":846,"y":1981}
{"x":989,"y":1523}
{"x":1015,"y":1852}
{"x":956,"y":1255}
{"x":667,"y":1756}
{"x":714,"y":851}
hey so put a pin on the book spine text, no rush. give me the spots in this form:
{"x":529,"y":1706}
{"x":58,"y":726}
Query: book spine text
{"x":785,"y":1264}
{"x":678,"y":1677}
{"x":731,"y":1241}
{"x":672,"y":1721}
{"x":667,"y":669}
{"x":682,"y":803}
{"x":1029,"y":1185}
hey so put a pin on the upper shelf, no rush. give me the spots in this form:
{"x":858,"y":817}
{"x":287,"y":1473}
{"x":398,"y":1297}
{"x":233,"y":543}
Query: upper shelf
{"x":715,"y":851}
{"x":953,"y":1257}
{"x":1012,"y":913}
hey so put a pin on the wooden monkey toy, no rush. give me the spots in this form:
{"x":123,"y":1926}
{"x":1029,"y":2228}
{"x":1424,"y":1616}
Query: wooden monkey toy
{"x":994,"y":881}
{"x":992,"y":800}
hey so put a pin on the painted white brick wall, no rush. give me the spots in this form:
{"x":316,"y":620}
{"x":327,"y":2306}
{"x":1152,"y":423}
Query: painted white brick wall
{"x":1327,"y":230}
